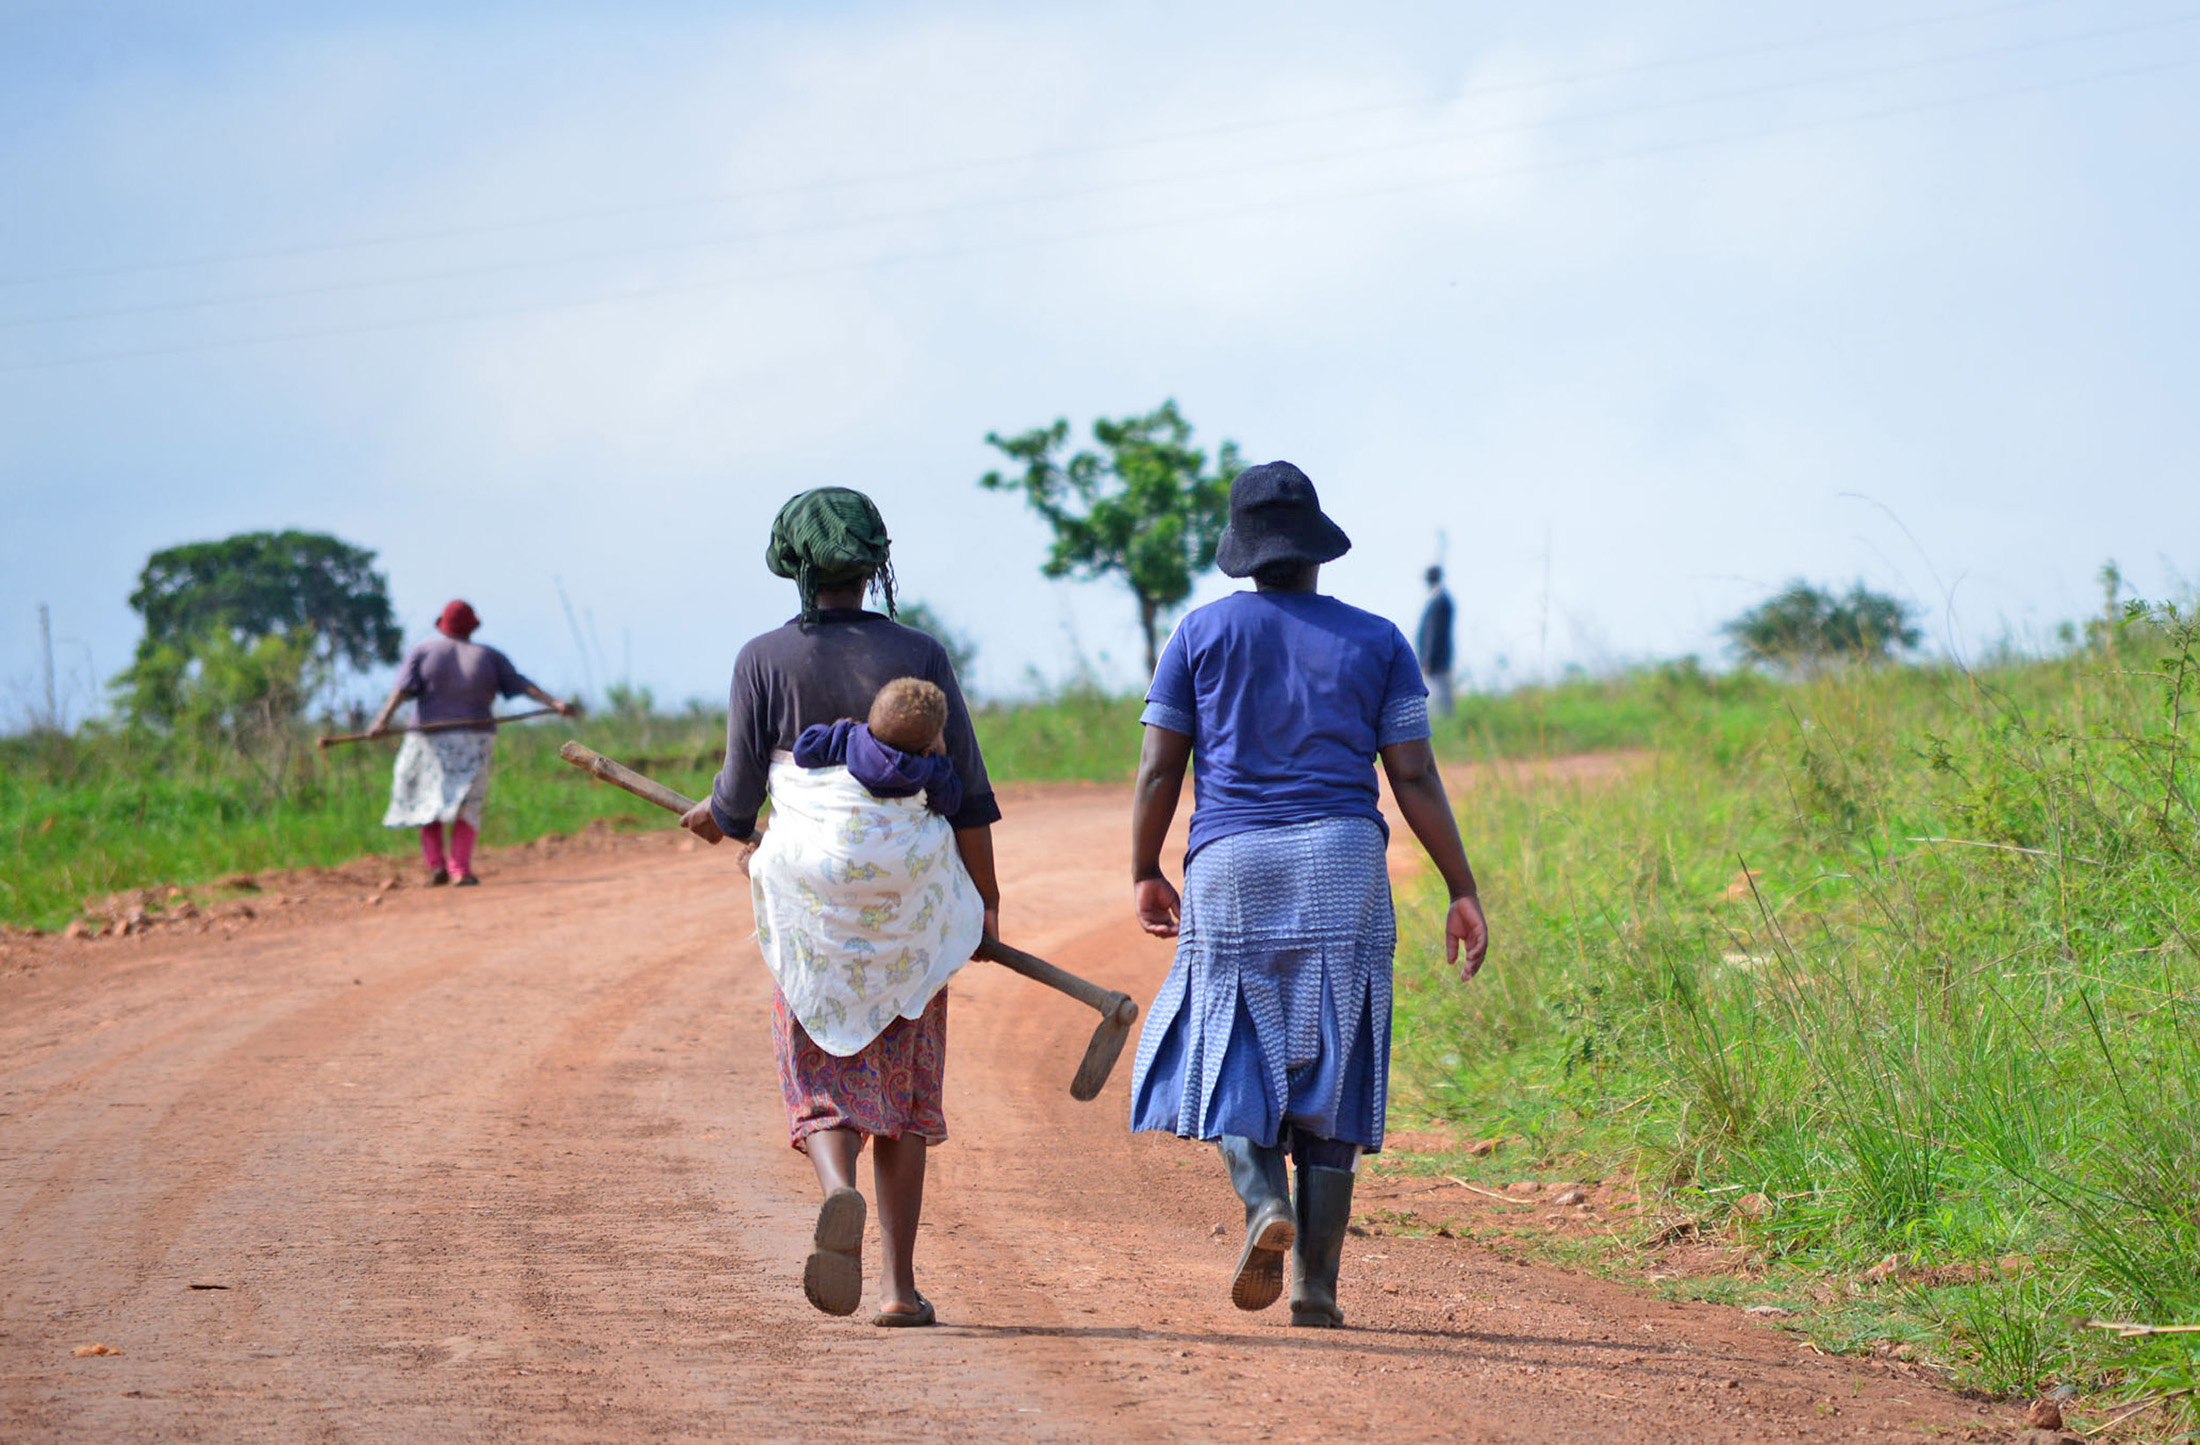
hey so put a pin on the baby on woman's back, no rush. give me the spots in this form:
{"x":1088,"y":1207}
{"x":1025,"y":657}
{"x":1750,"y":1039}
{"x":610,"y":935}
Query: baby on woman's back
{"x":898,"y":752}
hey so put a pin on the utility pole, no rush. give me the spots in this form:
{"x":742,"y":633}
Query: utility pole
{"x":45,"y":633}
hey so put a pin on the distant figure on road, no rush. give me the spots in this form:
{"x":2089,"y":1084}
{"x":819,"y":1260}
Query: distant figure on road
{"x":1271,"y":1035}
{"x":442,"y":777}
{"x":1432,"y":640}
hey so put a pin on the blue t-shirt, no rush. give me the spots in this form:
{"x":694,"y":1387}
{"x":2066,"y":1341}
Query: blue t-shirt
{"x":1286,"y":697}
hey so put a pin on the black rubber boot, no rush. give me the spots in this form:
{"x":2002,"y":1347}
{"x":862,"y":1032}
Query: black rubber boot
{"x":1257,"y":1174}
{"x":1325,"y":1211}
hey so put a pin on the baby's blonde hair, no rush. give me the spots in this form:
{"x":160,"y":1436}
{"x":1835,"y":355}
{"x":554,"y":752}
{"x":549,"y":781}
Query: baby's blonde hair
{"x":909,"y":713}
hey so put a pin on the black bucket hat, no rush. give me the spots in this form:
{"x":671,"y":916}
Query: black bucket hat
{"x":1275,"y":517}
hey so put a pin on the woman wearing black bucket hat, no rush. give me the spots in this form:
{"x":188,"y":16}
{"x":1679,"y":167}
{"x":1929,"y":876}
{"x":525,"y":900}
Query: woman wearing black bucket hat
{"x":1271,"y":1035}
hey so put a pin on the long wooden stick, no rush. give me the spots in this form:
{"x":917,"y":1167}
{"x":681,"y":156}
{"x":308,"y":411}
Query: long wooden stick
{"x":333,"y":739}
{"x":1106,"y":1001}
{"x":619,"y":775}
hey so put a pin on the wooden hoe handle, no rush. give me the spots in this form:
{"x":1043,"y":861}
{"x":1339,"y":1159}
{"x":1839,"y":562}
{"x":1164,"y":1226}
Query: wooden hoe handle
{"x":619,"y":775}
{"x":332,"y":739}
{"x":1107,"y":1002}
{"x":1118,"y":1011}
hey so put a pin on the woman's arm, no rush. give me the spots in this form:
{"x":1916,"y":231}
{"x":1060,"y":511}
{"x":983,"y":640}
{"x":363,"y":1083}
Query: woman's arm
{"x":737,"y":794}
{"x":1419,"y":789}
{"x":976,"y":847}
{"x":381,"y":723}
{"x":1161,"y":761}
{"x":564,"y":709}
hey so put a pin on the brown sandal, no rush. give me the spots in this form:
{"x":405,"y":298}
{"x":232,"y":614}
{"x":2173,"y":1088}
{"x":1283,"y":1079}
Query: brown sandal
{"x":909,"y":1320}
{"x":832,"y":1277}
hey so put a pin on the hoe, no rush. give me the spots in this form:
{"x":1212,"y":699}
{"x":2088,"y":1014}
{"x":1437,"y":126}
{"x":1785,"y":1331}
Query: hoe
{"x":1118,"y":1011}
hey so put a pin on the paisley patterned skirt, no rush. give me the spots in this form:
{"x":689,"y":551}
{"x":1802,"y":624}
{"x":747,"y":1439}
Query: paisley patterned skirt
{"x":890,"y":1087}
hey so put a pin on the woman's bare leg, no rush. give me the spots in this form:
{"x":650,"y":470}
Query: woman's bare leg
{"x":833,"y":1155}
{"x":897,"y":1167}
{"x":832,"y":1276}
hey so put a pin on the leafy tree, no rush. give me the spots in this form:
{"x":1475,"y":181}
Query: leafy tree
{"x":219,"y":688}
{"x":262,"y":584}
{"x":1148,"y":511}
{"x":238,"y":625}
{"x":1805,"y":626}
{"x":962,"y":653}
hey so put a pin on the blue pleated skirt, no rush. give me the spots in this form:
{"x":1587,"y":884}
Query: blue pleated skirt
{"x":1276,"y":1015}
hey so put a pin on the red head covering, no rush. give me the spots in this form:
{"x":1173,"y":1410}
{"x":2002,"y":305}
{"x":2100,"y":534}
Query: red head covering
{"x":458,"y":620}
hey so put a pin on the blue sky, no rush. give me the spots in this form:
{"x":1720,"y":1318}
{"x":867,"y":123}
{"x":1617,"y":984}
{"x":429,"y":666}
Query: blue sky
{"x":1644,"y":308}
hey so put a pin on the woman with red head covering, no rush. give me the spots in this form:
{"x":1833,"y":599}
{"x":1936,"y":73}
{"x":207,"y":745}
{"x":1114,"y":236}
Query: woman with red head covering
{"x":443,"y":776}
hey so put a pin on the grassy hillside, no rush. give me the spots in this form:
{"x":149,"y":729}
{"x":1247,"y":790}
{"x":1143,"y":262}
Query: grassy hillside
{"x":1892,"y":979}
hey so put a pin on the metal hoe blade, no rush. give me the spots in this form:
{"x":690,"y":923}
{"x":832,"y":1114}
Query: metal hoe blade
{"x":1102,"y":1052}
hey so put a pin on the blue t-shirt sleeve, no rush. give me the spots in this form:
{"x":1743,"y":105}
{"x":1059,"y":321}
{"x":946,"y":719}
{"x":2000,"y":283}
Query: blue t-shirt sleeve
{"x":1169,"y":700}
{"x":1404,"y":716}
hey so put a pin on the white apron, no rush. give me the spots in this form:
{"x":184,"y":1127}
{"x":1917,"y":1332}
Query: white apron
{"x":863,"y":907}
{"x":440,"y":778}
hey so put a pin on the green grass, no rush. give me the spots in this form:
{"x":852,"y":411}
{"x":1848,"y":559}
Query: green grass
{"x":1736,"y":971}
{"x":89,"y":815}
{"x":101,"y":812}
{"x":108,"y":810}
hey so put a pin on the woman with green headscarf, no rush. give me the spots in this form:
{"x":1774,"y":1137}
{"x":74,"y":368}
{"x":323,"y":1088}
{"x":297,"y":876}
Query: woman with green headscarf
{"x":825,"y":664}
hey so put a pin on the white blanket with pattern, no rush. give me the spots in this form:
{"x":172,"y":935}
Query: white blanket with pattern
{"x":863,"y":907}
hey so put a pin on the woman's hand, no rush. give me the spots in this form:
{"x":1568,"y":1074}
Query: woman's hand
{"x":567,"y":709}
{"x":1159,"y":908}
{"x":1466,"y":931}
{"x":697,"y":820}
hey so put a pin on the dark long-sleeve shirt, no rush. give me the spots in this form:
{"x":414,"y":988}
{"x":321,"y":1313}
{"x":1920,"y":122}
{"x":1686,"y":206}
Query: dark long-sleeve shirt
{"x":820,"y":672}
{"x":1434,"y":640}
{"x":884,"y":771}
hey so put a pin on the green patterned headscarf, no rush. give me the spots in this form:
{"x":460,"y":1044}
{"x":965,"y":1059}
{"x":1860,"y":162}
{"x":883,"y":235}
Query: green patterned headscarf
{"x":828,"y":537}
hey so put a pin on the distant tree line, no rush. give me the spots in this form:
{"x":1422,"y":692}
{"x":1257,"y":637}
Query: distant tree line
{"x":242,"y":633}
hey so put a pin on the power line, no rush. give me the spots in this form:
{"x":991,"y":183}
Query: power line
{"x":1105,"y":232}
{"x":1029,"y":157}
{"x":1231,"y":170}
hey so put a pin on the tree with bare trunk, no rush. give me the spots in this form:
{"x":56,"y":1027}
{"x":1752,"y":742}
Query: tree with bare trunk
{"x":1148,"y":511}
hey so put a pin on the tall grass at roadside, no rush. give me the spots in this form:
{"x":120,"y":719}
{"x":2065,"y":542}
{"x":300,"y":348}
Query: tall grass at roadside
{"x":1910,"y":962}
{"x":1623,"y":710}
{"x":88,"y":815}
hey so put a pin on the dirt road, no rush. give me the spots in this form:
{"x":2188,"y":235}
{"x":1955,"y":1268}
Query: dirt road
{"x":510,"y":1163}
